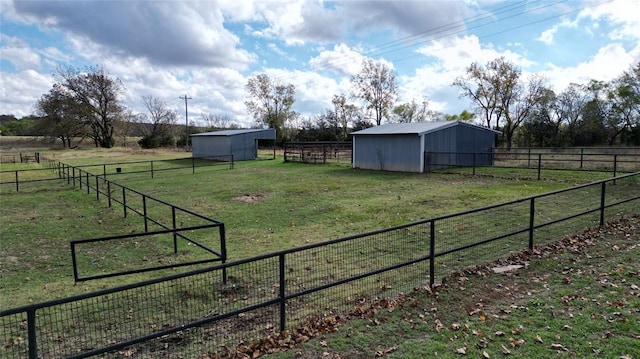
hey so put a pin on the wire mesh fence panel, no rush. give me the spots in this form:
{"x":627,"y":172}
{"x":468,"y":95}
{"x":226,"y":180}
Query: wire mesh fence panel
{"x":463,"y":235}
{"x":342,"y":260}
{"x":13,"y":330}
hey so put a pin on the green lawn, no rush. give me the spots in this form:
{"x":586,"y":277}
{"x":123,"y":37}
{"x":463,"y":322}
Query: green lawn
{"x":265,"y":205}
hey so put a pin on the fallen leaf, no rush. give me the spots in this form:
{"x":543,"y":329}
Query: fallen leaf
{"x":323,"y":343}
{"x":559,"y":347}
{"x":538,"y":339}
{"x":485,"y":355}
{"x":505,"y":351}
{"x":462,"y":350}
{"x":499,"y":334}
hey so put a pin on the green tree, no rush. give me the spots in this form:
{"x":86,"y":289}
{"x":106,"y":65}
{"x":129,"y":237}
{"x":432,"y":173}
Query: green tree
{"x":344,"y":114}
{"x":270,"y":103}
{"x":411,"y":111}
{"x":98,"y":92}
{"x":64,"y":117}
{"x":375,"y":86}
{"x":465,"y":116}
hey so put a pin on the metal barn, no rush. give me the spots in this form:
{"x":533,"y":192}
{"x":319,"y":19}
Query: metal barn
{"x":422,"y":146}
{"x":241,"y":144}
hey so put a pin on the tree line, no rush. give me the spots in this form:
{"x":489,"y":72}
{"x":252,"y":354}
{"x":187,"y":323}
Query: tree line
{"x":86,"y":105}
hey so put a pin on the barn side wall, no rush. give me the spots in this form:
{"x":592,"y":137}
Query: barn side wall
{"x":400,"y":153}
{"x":244,"y":147}
{"x":208,"y":146}
{"x":474,"y":140}
{"x":440,"y":148}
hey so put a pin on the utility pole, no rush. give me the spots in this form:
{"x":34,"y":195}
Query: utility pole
{"x":186,"y":120}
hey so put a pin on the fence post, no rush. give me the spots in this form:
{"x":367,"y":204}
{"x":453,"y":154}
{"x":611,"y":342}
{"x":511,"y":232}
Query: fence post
{"x":31,"y":333}
{"x":17,"y":183}
{"x":532,"y":212}
{"x":97,"y":190}
{"x":223,"y":251}
{"x":109,"y":193}
{"x":474,"y":163}
{"x":80,"y":178}
{"x":73,"y":179}
{"x":602,"y":202}
{"x":615,"y":167}
{"x":124,"y":201}
{"x":144,"y":213}
{"x":432,"y":250}
{"x":581,"y":156}
{"x":175,"y":237}
{"x":104,"y":171}
{"x":151,"y":169}
{"x":539,"y":164}
{"x":88,"y":186}
{"x":529,"y":157}
{"x":282,"y":293}
{"x":193,"y":165}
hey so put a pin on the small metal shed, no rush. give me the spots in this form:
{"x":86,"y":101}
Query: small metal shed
{"x":422,"y":146}
{"x":241,"y":144}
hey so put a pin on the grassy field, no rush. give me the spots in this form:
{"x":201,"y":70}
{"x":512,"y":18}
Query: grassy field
{"x":577,"y":298}
{"x":265,"y":205}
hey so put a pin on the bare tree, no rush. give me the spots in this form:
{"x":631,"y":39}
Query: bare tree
{"x":97,"y":91}
{"x":270,"y":102}
{"x":160,"y":121}
{"x":518,"y":101}
{"x":375,"y":85}
{"x":482,"y":85}
{"x":217,"y":121}
{"x":503,"y":100}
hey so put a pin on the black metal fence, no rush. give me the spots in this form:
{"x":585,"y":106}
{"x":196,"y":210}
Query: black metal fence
{"x":536,"y":161}
{"x":20,"y":157}
{"x":318,"y":152}
{"x":194,"y":314}
{"x":17,"y":179}
{"x":194,"y":227}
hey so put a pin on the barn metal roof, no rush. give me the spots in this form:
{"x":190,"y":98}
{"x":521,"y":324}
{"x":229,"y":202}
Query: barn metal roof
{"x":417,"y":128}
{"x":268,"y":132}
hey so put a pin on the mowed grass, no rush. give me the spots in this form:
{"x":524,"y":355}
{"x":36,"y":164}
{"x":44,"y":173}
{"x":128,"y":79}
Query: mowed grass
{"x":265,"y":205}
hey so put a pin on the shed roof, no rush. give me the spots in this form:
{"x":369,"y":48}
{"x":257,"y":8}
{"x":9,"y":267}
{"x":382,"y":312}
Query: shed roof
{"x":268,"y":133}
{"x":417,"y":128}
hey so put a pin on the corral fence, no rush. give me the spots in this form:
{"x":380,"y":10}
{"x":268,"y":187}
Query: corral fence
{"x":154,"y":212}
{"x":20,"y":157}
{"x":536,"y":160}
{"x":19,"y":178}
{"x":195,"y":314}
{"x":318,"y":152}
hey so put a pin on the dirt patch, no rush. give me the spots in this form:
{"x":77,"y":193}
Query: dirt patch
{"x":249,"y":198}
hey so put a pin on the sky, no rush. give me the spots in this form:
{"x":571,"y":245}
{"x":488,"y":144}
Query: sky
{"x":207,"y":50}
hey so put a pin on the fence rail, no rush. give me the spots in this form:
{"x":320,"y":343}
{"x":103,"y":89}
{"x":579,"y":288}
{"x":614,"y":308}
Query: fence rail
{"x":535,"y":161}
{"x":19,"y":178}
{"x":196,"y":313}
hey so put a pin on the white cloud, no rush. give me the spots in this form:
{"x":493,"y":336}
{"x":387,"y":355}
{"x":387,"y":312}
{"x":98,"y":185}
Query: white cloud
{"x":341,"y":59}
{"x":18,"y":53}
{"x":625,"y":13}
{"x":21,"y":90}
{"x":608,"y":63}
{"x":172,"y":33}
